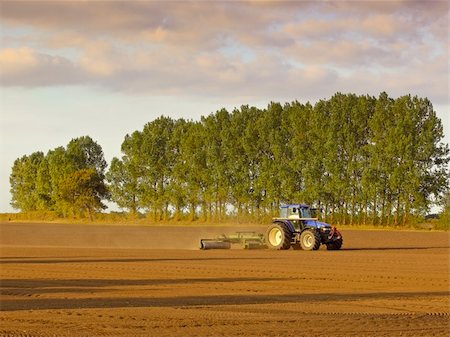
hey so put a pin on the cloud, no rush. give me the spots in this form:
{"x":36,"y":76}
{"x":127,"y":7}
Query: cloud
{"x":227,"y":48}
{"x":14,"y":61}
{"x":28,"y":68}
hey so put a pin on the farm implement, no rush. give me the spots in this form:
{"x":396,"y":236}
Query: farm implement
{"x":248,"y":240}
{"x":295,"y":227}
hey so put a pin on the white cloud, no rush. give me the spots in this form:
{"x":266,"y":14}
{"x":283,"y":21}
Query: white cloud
{"x":14,"y":61}
{"x":28,"y":68}
{"x":228,"y":48}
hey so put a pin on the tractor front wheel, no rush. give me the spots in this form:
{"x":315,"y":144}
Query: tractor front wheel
{"x":335,"y":245}
{"x":278,"y":236}
{"x":310,"y":240}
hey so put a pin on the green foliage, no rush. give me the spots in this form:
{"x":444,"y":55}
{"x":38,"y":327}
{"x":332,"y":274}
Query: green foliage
{"x":69,"y":182}
{"x":82,"y":192}
{"x":445,"y":215}
{"x":123,"y":186}
{"x":362,"y":159}
{"x":24,"y":185}
{"x":84,"y":153}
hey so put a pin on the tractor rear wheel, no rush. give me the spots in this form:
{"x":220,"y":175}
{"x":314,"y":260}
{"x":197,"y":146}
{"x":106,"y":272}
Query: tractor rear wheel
{"x":310,"y":240}
{"x":278,"y":236}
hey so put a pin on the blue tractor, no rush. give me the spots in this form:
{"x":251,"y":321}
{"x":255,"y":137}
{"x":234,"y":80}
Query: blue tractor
{"x":297,"y":227}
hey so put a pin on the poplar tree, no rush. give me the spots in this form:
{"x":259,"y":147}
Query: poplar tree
{"x":217,"y":193}
{"x":190,"y":169}
{"x":124,"y":186}
{"x":23,"y":181}
{"x":158,"y":158}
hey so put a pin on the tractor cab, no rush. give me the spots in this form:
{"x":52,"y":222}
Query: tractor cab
{"x":297,"y":212}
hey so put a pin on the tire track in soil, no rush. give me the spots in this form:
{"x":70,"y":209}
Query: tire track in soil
{"x":383,"y":326}
{"x":235,"y":275}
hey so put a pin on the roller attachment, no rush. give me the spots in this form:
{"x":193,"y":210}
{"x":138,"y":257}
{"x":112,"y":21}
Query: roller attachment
{"x":212,"y":244}
{"x":248,"y":240}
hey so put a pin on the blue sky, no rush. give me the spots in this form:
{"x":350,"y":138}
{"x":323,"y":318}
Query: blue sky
{"x":66,"y":71}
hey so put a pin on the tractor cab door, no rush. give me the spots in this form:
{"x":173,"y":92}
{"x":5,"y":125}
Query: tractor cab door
{"x":294,"y":213}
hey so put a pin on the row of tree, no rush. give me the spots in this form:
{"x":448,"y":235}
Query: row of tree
{"x":359,"y":158}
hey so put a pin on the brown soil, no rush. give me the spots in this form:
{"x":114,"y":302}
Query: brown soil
{"x":75,"y":280}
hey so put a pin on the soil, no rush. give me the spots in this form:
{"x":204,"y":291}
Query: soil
{"x":80,"y":280}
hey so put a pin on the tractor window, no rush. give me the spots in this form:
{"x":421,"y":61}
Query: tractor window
{"x":306,"y":213}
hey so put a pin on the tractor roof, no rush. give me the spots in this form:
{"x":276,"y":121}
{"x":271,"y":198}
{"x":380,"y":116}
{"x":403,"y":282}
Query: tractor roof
{"x":295,"y":205}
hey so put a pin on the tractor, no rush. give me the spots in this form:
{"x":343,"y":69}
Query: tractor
{"x":297,"y":227}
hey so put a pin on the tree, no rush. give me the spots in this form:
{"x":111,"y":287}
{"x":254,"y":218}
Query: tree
{"x":44,"y":186}
{"x":189,"y":175}
{"x":124,"y":184}
{"x":275,"y":140}
{"x":159,"y":160}
{"x":430,"y":157}
{"x":304,"y":145}
{"x":82,"y":192}
{"x":178,"y":189}
{"x":217,"y":135}
{"x":445,"y":216}
{"x":59,"y":166}
{"x":82,"y":186}
{"x":24,"y":190}
{"x":49,"y":183}
{"x":86,"y":153}
{"x":242,"y":167}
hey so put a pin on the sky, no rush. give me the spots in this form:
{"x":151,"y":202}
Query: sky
{"x":106,"y":68}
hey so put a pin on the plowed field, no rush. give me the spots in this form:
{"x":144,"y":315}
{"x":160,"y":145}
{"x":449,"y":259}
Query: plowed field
{"x":78,"y":280}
